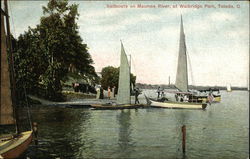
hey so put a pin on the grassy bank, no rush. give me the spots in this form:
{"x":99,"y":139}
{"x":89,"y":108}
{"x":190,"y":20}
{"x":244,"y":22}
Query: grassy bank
{"x":69,"y":95}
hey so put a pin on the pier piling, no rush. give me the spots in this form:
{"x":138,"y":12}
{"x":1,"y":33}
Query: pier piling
{"x":35,"y":132}
{"x":183,"y":129}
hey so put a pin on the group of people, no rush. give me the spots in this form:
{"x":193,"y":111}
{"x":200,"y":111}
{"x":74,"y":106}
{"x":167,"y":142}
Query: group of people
{"x":100,"y":93}
{"x":181,"y":97}
{"x":160,"y":93}
{"x":111,"y":93}
{"x":83,"y":87}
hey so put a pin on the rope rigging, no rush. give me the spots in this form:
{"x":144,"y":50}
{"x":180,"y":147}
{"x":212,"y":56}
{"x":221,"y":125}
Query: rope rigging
{"x":190,"y":67}
{"x":13,"y":25}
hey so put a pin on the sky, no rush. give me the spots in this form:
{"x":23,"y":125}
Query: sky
{"x":217,"y":39}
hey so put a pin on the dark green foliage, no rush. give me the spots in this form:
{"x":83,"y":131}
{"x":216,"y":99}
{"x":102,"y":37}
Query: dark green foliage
{"x":29,"y":63}
{"x":44,"y":54}
{"x":110,"y":77}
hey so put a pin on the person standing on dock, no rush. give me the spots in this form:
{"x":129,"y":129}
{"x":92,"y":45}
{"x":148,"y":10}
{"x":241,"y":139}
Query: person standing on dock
{"x":113,"y":92}
{"x":98,"y":92}
{"x":101,"y":93}
{"x":210,"y":98}
{"x":162,"y":93}
{"x":137,"y":92}
{"x":159,"y":92}
{"x":109,"y":92}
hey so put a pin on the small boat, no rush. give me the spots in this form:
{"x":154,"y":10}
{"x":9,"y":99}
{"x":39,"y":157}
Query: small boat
{"x":13,"y":145}
{"x":229,"y":89}
{"x":175,"y":105}
{"x":184,"y":98}
{"x":202,"y":95}
{"x":216,"y":98}
{"x":112,"y":107}
{"x":123,"y":96}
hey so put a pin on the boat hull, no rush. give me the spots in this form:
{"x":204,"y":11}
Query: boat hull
{"x":112,"y":107}
{"x":205,"y":99}
{"x":175,"y":105}
{"x":14,"y":147}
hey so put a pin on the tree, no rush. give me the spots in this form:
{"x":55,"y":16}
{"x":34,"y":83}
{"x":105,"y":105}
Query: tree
{"x":110,"y":77}
{"x":44,"y":53}
{"x":60,"y":36}
{"x":29,"y":62}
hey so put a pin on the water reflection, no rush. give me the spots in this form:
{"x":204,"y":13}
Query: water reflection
{"x":219,"y":132}
{"x":61,"y":131}
{"x":82,"y":140}
{"x":125,"y":142}
{"x":180,"y":118}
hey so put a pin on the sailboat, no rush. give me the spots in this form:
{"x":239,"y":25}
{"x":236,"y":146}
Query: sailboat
{"x":229,"y":89}
{"x":247,"y":87}
{"x":11,"y":145}
{"x":184,"y":97}
{"x":182,"y":77}
{"x":203,"y":95}
{"x":123,"y":95}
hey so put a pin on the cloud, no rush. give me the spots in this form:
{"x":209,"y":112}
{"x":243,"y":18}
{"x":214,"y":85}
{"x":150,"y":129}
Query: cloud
{"x":238,"y":33}
{"x":121,"y":23}
{"x":220,"y":17}
{"x":105,"y":28}
{"x":169,"y":31}
{"x":97,"y":15}
{"x":212,"y":23}
{"x":135,"y":19}
{"x":21,"y":17}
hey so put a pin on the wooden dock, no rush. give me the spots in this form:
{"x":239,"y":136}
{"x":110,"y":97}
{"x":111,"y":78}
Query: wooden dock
{"x":112,"y":107}
{"x":82,"y":103}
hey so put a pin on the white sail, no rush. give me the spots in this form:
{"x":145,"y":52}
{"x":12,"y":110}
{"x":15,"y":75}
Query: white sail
{"x":6,"y":108}
{"x":123,"y":96}
{"x":248,"y":82}
{"x":182,"y":75}
{"x":229,"y":89}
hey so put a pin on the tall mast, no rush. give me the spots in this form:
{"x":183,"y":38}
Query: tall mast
{"x":7,"y":26}
{"x":169,"y":81}
{"x":130,"y":75}
{"x":11,"y":66}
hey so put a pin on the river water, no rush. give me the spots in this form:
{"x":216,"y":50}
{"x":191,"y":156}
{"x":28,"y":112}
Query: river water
{"x":219,"y":132}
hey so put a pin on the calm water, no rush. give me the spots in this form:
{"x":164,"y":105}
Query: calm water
{"x":219,"y":132}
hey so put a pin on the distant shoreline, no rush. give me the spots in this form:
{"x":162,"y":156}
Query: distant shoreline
{"x":155,"y":86}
